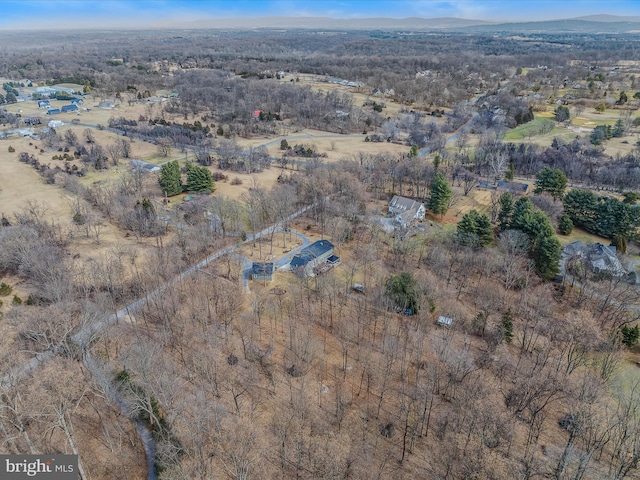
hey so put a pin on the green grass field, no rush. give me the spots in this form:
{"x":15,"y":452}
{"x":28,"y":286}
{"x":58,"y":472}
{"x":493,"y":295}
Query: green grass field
{"x":540,"y":125}
{"x":580,"y":235}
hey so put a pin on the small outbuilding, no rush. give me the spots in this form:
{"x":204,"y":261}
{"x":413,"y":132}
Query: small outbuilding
{"x":53,"y":111}
{"x":262,"y":271}
{"x":445,"y":321}
{"x":513,"y":187}
{"x":142,"y":166}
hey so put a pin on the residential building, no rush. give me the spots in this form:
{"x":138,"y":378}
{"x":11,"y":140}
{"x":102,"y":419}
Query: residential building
{"x":144,"y":166}
{"x":69,"y":108}
{"x":599,"y":257}
{"x":318,"y":253}
{"x":513,"y":187}
{"x":262,"y":271}
{"x":406,"y":210}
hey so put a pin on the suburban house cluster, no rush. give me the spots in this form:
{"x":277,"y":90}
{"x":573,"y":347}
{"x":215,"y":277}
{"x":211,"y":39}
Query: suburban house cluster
{"x":74,"y":106}
{"x":406,"y":211}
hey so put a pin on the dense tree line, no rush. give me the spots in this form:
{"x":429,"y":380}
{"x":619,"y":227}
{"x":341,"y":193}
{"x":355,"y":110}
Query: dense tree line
{"x":603,"y":215}
{"x":580,"y":161}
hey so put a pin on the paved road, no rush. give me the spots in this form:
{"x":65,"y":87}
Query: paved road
{"x":451,"y":138}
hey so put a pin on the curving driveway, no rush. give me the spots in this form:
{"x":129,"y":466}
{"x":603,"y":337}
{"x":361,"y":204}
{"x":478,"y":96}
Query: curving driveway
{"x":278,"y":264}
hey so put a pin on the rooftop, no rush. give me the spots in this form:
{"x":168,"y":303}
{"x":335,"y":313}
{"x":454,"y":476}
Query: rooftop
{"x":312,"y":251}
{"x":144,"y":166}
{"x":403,"y":203}
{"x":262,"y":268}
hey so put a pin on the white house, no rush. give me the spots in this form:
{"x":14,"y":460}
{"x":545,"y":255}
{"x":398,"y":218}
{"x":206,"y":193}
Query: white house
{"x":406,"y":210}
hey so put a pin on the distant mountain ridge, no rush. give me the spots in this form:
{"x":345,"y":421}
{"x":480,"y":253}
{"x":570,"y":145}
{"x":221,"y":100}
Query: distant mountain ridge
{"x":586,"y":24}
{"x":329,"y":23}
{"x":608,"y":18}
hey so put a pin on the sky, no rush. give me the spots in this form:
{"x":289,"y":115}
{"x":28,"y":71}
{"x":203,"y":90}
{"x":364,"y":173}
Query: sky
{"x":32,"y":14}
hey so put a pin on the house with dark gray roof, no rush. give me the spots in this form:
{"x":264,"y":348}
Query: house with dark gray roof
{"x":318,"y":253}
{"x":513,"y":187}
{"x":262,"y":271}
{"x":600,"y":258}
{"x":69,"y":108}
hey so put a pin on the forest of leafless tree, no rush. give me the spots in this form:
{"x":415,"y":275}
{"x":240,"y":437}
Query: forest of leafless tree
{"x":315,"y":379}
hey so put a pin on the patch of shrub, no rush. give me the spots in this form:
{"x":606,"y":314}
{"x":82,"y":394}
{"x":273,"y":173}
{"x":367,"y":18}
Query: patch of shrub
{"x":11,"y":149}
{"x":236,"y":181}
{"x":17,"y":300}
{"x":5,"y":289}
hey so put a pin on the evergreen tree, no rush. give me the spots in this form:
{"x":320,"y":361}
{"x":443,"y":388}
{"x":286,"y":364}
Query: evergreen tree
{"x":484,"y":230}
{"x":440,"y":195}
{"x":561,"y":114}
{"x":554,"y":182}
{"x":565,"y":225}
{"x":618,"y":129}
{"x":546,"y":256}
{"x":511,"y":172}
{"x":600,"y":134}
{"x":604,"y":216}
{"x":506,"y":325}
{"x":545,"y":250}
{"x":522,"y":215}
{"x":582,"y":208}
{"x":630,"y":335}
{"x":170,"y":178}
{"x":630,"y":197}
{"x":506,"y":210}
{"x":474,"y":230}
{"x":436,"y":162}
{"x":401,"y":291}
{"x":622,"y":99}
{"x":199,"y":179}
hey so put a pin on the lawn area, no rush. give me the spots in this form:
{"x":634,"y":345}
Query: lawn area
{"x":580,"y":235}
{"x":540,"y":125}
